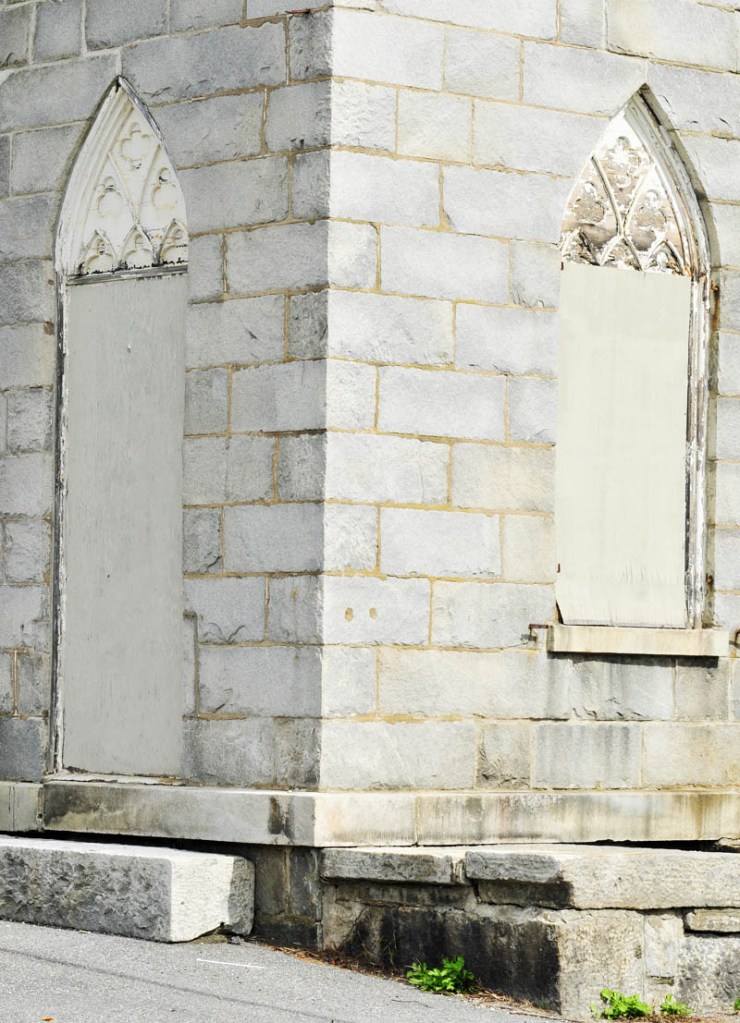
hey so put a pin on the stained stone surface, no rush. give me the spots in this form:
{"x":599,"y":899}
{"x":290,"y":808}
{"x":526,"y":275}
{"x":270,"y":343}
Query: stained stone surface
{"x":709,"y":972}
{"x":140,"y":892}
{"x":603,"y":877}
{"x":714,"y":921}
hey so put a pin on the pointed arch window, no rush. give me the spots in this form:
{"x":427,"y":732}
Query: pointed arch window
{"x":631,"y":457}
{"x":121,"y":255}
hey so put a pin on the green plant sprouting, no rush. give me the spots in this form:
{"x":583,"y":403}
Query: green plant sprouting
{"x":670,"y":1006}
{"x":449,"y":978}
{"x":619,"y":1006}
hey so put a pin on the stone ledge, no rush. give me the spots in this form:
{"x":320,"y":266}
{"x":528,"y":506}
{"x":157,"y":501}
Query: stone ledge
{"x":412,"y":866}
{"x":137,"y":891}
{"x":601,"y":877}
{"x":714,"y":921}
{"x":319,"y":819}
{"x":600,"y":639}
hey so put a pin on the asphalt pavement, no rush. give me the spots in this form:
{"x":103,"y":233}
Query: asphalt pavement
{"x":77,"y":977}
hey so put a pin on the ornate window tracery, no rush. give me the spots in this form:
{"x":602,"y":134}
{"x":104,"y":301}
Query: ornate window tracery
{"x":125,"y":208}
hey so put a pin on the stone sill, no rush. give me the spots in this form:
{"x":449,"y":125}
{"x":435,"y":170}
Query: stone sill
{"x":601,"y":639}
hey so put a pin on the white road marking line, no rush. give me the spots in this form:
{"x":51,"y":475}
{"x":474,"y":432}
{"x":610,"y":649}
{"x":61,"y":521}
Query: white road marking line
{"x":222,"y":962}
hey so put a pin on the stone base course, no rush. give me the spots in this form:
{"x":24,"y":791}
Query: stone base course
{"x":137,"y":891}
{"x":507,"y":909}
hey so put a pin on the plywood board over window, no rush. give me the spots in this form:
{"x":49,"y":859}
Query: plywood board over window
{"x":621,"y":480}
{"x":631,"y":455}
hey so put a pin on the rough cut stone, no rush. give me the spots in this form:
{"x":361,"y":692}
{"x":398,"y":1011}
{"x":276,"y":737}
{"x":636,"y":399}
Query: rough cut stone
{"x":419,"y":866}
{"x":140,"y":892}
{"x":716,"y":921}
{"x":598,"y":877}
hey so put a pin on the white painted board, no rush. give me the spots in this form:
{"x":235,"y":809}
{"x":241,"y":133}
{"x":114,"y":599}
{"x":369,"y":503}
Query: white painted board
{"x":121,"y":663}
{"x":620,"y":501}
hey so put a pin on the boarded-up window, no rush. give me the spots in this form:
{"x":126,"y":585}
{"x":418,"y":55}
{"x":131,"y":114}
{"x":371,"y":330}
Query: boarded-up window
{"x":625,"y":488}
{"x":121,"y":256}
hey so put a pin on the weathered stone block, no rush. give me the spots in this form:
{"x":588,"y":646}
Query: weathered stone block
{"x":219,"y":469}
{"x":278,"y":538}
{"x":600,"y":877}
{"x":227,"y":610}
{"x":350,"y":538}
{"x":236,"y":194}
{"x":437,"y":404}
{"x":673,"y":30}
{"x":502,"y":478}
{"x":41,"y":159}
{"x":714,"y":921}
{"x":384,"y":191}
{"x":294,"y":609}
{"x":556,"y":71}
{"x":29,"y":420}
{"x":571,"y":756}
{"x":23,"y":743}
{"x":691,"y":754}
{"x":348,"y":681}
{"x":709,"y":972}
{"x":221,"y":60}
{"x":533,"y":410}
{"x":209,"y":130}
{"x":56,"y":94}
{"x":435,"y":126}
{"x":15,"y":30}
{"x":530,"y":18}
{"x":25,"y":227}
{"x":583,"y":22}
{"x":245,"y":331}
{"x":206,"y":401}
{"x":302,"y":467}
{"x":186,"y":14}
{"x":377,"y":754}
{"x":505,"y":204}
{"x":399,"y":866}
{"x":528,"y":549}
{"x":676,"y":89}
{"x":442,"y":265}
{"x":299,"y":117}
{"x":109,"y":23}
{"x":26,"y":485}
{"x":481,"y":65}
{"x":483,"y":614}
{"x":388,"y":50}
{"x":384,"y":328}
{"x":363,"y":116}
{"x":710,"y":157}
{"x":58,"y":30}
{"x":530,"y":139}
{"x":606,"y":688}
{"x":506,"y":340}
{"x":201,"y":540}
{"x":26,"y":291}
{"x":376,"y":468}
{"x":138,"y":891}
{"x":505,"y":757}
{"x":309,"y":44}
{"x":27,"y":551}
{"x":439,"y":543}
{"x":275,"y":681}
{"x":371,"y":611}
{"x":535,"y":274}
{"x":702,"y":692}
{"x":205,"y":272}
{"x":506,"y":684}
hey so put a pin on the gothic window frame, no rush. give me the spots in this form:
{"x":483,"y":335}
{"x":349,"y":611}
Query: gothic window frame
{"x":123,"y":217}
{"x":634,"y":206}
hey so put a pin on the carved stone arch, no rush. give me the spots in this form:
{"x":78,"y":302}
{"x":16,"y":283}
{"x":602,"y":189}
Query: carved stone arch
{"x":124,"y":204}
{"x":633,"y":205}
{"x":634,"y":209}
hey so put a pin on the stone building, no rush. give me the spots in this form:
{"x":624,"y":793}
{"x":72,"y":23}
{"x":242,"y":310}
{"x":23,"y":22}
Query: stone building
{"x":362,"y":263}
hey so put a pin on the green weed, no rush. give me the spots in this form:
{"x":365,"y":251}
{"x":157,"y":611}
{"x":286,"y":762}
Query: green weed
{"x":670,"y":1006}
{"x":449,"y":978}
{"x":619,"y":1006}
